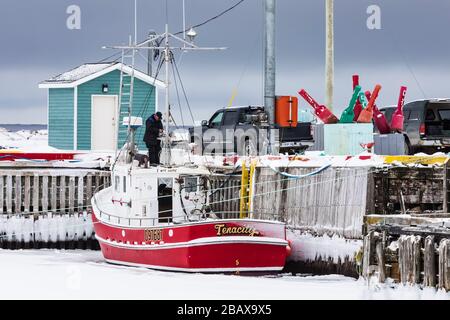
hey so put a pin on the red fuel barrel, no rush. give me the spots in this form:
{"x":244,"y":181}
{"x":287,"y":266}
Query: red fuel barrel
{"x":286,"y":111}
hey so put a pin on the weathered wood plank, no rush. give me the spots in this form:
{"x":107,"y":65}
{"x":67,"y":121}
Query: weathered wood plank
{"x":9,"y":199}
{"x":444,"y":265}
{"x":367,"y":252}
{"x":429,"y":262}
{"x":80,"y":193}
{"x":45,"y":193}
{"x":88,"y":189}
{"x":416,"y":259}
{"x":36,"y":188}
{"x":54,"y":194}
{"x":2,"y":192}
{"x":71,"y":194}
{"x":18,"y":189}
{"x":27,"y":194}
{"x":62,"y":194}
{"x":381,"y":262}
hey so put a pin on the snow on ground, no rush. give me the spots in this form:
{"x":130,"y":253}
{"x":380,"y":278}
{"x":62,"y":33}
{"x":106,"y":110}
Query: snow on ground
{"x":54,"y":274}
{"x":25,"y":140}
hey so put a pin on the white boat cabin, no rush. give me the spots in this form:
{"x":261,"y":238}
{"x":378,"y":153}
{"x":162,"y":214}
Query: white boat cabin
{"x":154,"y":196}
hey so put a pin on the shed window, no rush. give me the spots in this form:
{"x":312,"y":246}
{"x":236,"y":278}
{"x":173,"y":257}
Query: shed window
{"x":124,"y":184}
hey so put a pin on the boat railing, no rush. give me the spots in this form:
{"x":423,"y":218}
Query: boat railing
{"x":142,"y":221}
{"x":194,"y":217}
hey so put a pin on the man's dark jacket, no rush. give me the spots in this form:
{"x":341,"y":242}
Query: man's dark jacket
{"x":152,"y":127}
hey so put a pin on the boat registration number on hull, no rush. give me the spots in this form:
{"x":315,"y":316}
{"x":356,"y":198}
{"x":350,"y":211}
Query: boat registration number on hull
{"x":153,"y":235}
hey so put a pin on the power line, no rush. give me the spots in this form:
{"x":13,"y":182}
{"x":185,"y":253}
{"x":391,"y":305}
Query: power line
{"x":213,"y":18}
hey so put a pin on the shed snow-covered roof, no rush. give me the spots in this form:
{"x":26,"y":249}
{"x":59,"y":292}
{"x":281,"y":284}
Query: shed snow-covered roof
{"x":90,"y":71}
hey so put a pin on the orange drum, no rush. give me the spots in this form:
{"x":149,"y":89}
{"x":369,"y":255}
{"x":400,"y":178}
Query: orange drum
{"x":286,"y":111}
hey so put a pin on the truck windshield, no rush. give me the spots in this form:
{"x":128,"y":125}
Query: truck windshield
{"x":216,"y":120}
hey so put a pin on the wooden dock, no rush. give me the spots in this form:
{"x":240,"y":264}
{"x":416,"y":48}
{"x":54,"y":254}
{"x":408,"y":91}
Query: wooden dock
{"x":407,"y":235}
{"x":33,"y":199}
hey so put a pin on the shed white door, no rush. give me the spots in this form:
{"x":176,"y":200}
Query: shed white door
{"x":103,"y":126}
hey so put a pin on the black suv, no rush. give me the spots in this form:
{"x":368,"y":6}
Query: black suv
{"x":427,"y":125}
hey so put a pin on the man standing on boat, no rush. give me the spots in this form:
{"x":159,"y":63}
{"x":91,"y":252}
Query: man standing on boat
{"x":153,"y":129}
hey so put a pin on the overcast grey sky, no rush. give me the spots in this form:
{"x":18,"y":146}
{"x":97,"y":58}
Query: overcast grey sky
{"x":411,"y":49}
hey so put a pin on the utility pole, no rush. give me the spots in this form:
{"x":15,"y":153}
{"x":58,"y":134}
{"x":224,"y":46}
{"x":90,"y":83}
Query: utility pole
{"x":269,"y":63}
{"x":329,"y":59}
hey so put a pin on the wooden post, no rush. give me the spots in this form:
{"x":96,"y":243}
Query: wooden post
{"x":429,"y":265}
{"x":403,"y":258}
{"x":444,"y":276}
{"x":2,"y":190}
{"x":53,"y":194}
{"x":44,"y":194}
{"x":27,"y":194}
{"x":381,"y":262}
{"x":9,"y":193}
{"x":416,"y":259}
{"x":445,"y":188}
{"x":62,"y":194}
{"x":80,"y":194}
{"x":71,"y":194}
{"x":409,"y":258}
{"x":367,"y":252}
{"x":88,"y":189}
{"x":18,"y":187}
{"x":36,"y":187}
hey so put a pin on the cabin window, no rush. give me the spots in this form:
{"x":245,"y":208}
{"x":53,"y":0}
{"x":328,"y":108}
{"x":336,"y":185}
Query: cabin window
{"x":190,"y":184}
{"x":124,"y":184}
{"x":116,"y":183}
{"x":165,"y":195}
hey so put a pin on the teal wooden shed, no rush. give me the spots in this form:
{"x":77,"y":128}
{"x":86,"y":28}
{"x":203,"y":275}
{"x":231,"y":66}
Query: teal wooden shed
{"x":83,"y":106}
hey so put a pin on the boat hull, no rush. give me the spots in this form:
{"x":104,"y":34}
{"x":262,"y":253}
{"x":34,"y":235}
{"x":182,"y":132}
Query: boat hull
{"x":209,"y":246}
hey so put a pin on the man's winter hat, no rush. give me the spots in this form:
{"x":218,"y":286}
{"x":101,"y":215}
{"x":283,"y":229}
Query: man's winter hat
{"x":159,"y":114}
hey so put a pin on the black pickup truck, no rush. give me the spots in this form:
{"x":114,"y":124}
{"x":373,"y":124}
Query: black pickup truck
{"x":245,"y":131}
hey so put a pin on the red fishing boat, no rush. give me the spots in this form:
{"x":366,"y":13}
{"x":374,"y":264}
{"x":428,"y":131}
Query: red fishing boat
{"x":160,"y":218}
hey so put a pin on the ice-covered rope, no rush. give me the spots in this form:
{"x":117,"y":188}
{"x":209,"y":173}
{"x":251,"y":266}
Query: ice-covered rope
{"x":293,"y":176}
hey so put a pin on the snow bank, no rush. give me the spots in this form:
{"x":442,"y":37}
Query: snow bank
{"x":54,"y":274}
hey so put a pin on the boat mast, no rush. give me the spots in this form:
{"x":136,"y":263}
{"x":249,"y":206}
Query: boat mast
{"x":152,"y":44}
{"x":167,"y":153}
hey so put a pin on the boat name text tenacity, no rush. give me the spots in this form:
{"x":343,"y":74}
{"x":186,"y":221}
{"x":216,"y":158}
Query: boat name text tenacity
{"x":222,"y":229}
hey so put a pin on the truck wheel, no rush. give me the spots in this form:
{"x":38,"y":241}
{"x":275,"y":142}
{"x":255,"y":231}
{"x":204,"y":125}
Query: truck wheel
{"x":249,"y":148}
